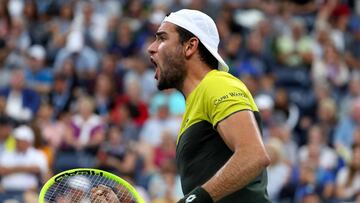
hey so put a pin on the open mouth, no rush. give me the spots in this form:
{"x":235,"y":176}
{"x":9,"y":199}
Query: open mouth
{"x":153,"y":62}
{"x":156,"y":76}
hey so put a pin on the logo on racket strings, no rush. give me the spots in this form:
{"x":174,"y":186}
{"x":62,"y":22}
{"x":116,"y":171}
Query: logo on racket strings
{"x":78,"y":172}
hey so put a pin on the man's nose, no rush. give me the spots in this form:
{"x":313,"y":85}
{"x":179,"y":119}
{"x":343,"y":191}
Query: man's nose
{"x":152,"y":48}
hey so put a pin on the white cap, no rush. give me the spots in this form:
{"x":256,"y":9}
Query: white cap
{"x":249,"y":18}
{"x":15,"y":8}
{"x":79,"y":183}
{"x":24,"y":133}
{"x":37,"y":51}
{"x":157,"y":17}
{"x":74,"y":41}
{"x":264,"y":101}
{"x":203,"y":27}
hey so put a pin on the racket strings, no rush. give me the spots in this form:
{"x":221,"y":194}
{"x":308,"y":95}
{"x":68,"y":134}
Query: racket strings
{"x":79,"y":188}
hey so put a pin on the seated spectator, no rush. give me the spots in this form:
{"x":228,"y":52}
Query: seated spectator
{"x":327,"y":118}
{"x":84,"y":58}
{"x":35,"y":21}
{"x":310,"y":178}
{"x":164,"y":186}
{"x":17,"y":42}
{"x":321,"y":38}
{"x":165,"y":150}
{"x":37,"y":76}
{"x":352,"y":53}
{"x":82,"y":143}
{"x":316,"y":138}
{"x":286,"y":110}
{"x":61,"y":96}
{"x":21,"y":103}
{"x":104,"y":95}
{"x":344,"y":131}
{"x":116,"y":72}
{"x":121,"y":42}
{"x":265,"y":103}
{"x":278,"y":171}
{"x":295,"y":50}
{"x":171,"y":97}
{"x":348,"y":178}
{"x":139,"y":71}
{"x":52,"y":131}
{"x":132,"y":99}
{"x":282,"y":132}
{"x":154,"y":127}
{"x":59,"y":27}
{"x":5,"y":75}
{"x":331,"y":67}
{"x":126,"y":115}
{"x":352,"y":91}
{"x":232,"y":51}
{"x":115,"y":155}
{"x":87,"y":127}
{"x":254,"y":61}
{"x":23,"y":169}
{"x":325,"y":178}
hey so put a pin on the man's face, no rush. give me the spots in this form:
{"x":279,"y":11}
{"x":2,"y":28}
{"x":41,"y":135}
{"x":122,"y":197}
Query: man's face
{"x":22,"y":145}
{"x":166,"y":53}
{"x":17,"y":80}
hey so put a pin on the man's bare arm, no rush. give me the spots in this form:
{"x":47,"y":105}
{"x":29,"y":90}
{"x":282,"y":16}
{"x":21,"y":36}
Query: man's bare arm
{"x":241,"y":134}
{"x":19,"y":169}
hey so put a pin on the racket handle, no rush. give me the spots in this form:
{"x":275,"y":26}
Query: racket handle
{"x":197,"y":195}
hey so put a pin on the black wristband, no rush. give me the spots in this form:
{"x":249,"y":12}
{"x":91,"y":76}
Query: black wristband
{"x":197,"y":195}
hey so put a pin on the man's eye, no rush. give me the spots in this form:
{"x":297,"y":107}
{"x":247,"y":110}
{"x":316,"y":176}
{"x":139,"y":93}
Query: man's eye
{"x":160,"y":38}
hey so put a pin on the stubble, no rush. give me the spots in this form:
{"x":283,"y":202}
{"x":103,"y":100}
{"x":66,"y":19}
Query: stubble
{"x":173,"y":73}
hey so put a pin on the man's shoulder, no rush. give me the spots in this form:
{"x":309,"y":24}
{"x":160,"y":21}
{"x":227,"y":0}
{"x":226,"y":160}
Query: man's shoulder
{"x":216,"y":75}
{"x":220,"y":81}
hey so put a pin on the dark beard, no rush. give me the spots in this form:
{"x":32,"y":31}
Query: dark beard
{"x":173,"y":73}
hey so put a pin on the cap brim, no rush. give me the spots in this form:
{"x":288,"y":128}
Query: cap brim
{"x":222,"y":65}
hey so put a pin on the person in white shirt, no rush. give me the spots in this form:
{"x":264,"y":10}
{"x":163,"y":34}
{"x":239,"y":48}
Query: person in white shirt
{"x":348,"y":178}
{"x":20,"y":169}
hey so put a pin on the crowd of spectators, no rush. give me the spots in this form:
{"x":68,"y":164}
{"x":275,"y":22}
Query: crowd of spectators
{"x":77,"y":90}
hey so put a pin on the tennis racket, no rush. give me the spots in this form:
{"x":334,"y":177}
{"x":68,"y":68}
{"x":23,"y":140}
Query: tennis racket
{"x":87,"y":185}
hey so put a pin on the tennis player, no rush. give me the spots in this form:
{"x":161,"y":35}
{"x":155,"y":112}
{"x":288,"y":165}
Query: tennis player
{"x":220,"y":153}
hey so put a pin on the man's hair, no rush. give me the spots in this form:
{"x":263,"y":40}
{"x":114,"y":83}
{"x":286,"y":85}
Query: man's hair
{"x":205,"y":55}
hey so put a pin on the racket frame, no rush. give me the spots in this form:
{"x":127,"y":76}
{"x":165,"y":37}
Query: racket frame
{"x":88,"y":171}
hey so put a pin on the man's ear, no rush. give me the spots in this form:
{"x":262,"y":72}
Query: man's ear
{"x":191,"y":47}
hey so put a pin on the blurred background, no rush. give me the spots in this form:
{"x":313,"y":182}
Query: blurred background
{"x":77,"y":90}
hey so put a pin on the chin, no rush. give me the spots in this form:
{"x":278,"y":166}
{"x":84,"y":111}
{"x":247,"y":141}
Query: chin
{"x":164,"y":85}
{"x":160,"y":87}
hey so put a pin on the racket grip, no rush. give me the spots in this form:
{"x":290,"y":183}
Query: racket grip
{"x":197,"y":195}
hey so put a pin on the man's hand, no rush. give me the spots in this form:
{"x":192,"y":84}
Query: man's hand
{"x":103,"y":194}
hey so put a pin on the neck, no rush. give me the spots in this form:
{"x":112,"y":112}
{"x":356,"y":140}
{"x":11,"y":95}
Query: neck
{"x":196,"y":72}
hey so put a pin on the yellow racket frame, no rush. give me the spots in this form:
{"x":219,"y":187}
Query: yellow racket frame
{"x":88,"y":171}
